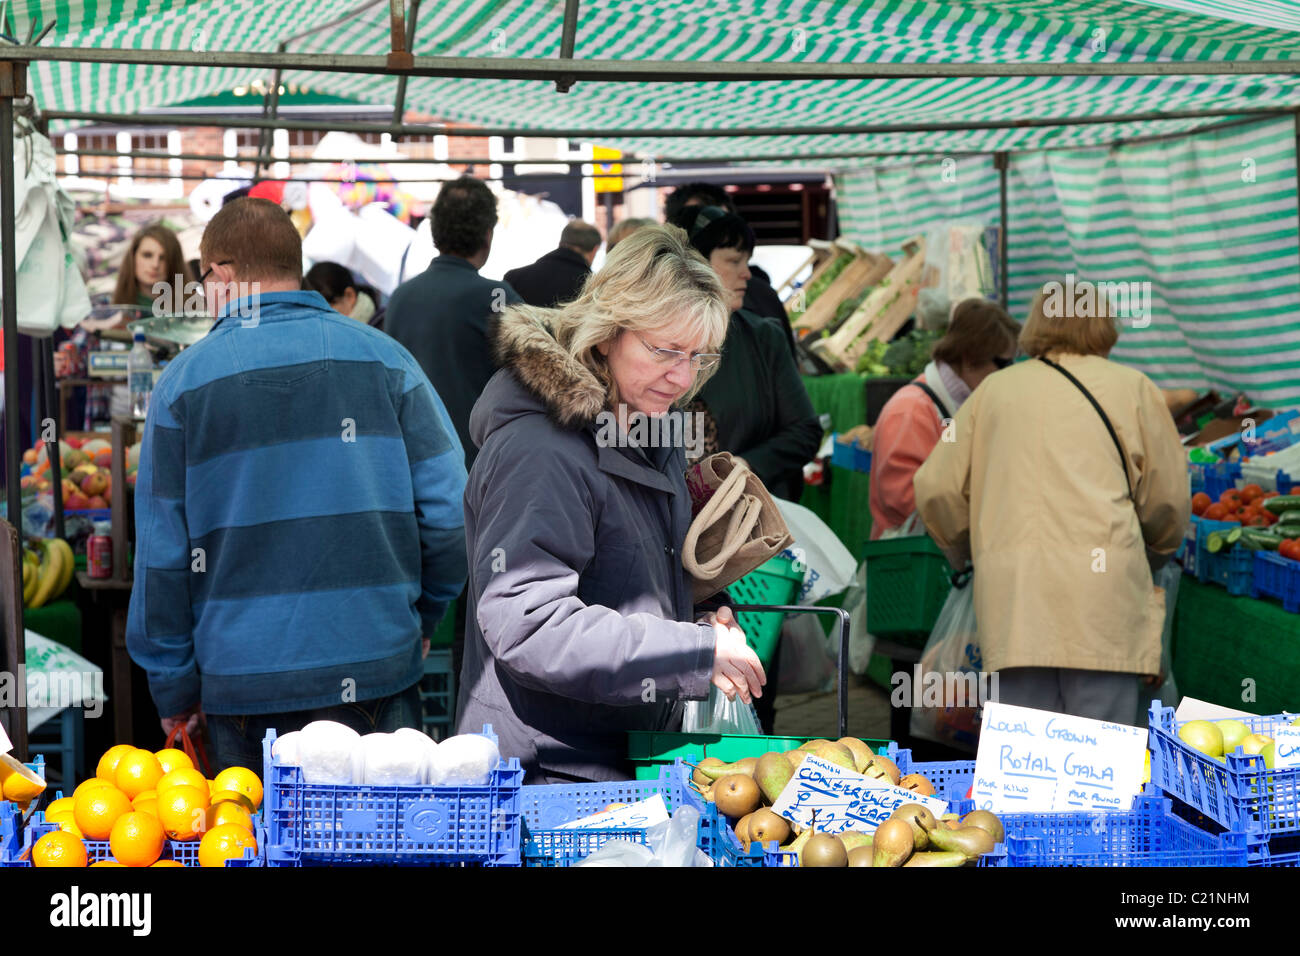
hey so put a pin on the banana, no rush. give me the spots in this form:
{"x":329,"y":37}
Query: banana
{"x":29,"y":583}
{"x":51,"y":571}
{"x":69,"y":566}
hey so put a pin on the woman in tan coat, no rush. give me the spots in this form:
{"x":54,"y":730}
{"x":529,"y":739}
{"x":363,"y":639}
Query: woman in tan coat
{"x":1062,"y":539}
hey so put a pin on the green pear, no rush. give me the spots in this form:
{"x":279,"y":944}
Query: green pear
{"x":822,"y":849}
{"x":985,"y":821}
{"x":766,"y":827}
{"x":854,"y":840}
{"x":1267,"y":754}
{"x":813,"y":744}
{"x":837,"y":754}
{"x":720,"y":770}
{"x":892,"y":843}
{"x":861,"y":752}
{"x":697,"y":775}
{"x":880,"y":767}
{"x":936,"y":858}
{"x":972,"y":841}
{"x":920,"y":819}
{"x":861,"y":856}
{"x":772,"y":773}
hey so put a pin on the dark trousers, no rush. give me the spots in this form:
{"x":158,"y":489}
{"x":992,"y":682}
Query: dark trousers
{"x":236,"y":741}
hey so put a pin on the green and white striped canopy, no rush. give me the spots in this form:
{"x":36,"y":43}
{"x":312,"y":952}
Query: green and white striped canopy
{"x":805,"y":31}
{"x":1208,"y":219}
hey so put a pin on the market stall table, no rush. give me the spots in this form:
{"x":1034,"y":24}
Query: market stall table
{"x":1235,"y":651}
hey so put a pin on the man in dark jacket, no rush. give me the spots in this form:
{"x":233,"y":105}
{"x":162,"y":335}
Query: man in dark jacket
{"x":760,"y":297}
{"x":441,"y":315}
{"x":557,"y":277}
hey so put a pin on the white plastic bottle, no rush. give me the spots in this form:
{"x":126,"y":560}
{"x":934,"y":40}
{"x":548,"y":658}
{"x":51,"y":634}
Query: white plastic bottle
{"x":139,"y":377}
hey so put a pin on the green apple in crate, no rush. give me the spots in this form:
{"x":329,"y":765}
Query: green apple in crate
{"x":1203,"y":736}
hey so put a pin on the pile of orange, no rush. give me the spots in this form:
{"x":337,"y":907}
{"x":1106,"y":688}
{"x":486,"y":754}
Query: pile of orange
{"x":138,"y":800}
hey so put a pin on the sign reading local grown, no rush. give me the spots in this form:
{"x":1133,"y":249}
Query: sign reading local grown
{"x":1036,"y":761}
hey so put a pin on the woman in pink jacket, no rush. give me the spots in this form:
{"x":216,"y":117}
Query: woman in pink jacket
{"x":981,"y":339}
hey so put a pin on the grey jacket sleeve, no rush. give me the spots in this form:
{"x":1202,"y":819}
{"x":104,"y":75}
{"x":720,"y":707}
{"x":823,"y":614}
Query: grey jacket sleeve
{"x":533,"y":535}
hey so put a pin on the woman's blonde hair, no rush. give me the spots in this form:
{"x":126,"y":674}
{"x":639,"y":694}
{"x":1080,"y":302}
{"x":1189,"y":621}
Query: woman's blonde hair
{"x":652,"y":278}
{"x":1069,"y":317}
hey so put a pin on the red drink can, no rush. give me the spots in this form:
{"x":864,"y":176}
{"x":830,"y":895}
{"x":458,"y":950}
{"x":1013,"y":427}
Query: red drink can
{"x":99,"y":553}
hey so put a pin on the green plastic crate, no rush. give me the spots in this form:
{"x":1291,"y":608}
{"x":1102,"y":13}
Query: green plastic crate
{"x":774,"y":582}
{"x":908,"y":579}
{"x":651,"y":749}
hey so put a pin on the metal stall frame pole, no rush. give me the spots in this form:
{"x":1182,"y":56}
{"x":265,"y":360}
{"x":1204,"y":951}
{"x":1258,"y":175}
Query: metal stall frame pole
{"x":50,"y":410}
{"x":13,"y":84}
{"x":1000,"y":162}
{"x":399,"y":103}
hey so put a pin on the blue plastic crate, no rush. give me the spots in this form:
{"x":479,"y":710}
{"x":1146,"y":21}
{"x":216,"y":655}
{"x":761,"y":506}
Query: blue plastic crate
{"x":16,"y":842}
{"x":1233,"y":569}
{"x":952,"y":779}
{"x":850,"y":455}
{"x":326,"y":824}
{"x":544,"y":808}
{"x":1260,"y":850}
{"x":1145,"y":836}
{"x":1238,"y":794}
{"x":1220,"y":478}
{"x":1277,"y":577}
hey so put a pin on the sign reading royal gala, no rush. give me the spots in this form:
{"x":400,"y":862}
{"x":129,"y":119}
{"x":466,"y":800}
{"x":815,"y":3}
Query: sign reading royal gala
{"x":1035,"y":761}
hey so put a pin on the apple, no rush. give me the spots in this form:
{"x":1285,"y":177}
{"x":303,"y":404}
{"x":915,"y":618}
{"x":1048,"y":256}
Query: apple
{"x":1203,"y":736}
{"x":1255,"y":743}
{"x":1234,"y":732}
{"x":1267,"y":754}
{"x":74,"y":442}
{"x":95,"y":484}
{"x":77,"y":502}
{"x":104,"y":458}
{"x":30,"y":457}
{"x":97,"y":502}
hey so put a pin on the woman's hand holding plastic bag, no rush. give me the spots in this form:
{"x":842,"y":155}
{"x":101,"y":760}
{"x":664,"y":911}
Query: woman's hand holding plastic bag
{"x":736,"y":668}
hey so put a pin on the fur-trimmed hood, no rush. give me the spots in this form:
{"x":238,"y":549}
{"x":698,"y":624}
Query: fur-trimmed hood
{"x":545,"y":377}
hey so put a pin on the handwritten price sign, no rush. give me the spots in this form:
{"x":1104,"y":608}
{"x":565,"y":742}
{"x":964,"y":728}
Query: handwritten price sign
{"x":1036,"y":761}
{"x":843,"y":800}
{"x":638,"y":816}
{"x":1286,"y":747}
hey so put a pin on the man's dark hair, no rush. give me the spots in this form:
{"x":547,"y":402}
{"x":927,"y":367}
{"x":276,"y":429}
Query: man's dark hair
{"x":582,"y":236}
{"x":712,"y":227}
{"x":698,"y":194}
{"x":462,"y":216}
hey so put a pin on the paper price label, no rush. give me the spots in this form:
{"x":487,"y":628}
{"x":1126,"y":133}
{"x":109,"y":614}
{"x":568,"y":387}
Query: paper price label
{"x":1286,"y":747}
{"x":638,"y":816}
{"x":843,"y":800}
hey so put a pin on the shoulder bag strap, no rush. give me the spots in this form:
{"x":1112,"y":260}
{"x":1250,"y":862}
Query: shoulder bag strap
{"x":943,"y":412}
{"x":1123,"y":462}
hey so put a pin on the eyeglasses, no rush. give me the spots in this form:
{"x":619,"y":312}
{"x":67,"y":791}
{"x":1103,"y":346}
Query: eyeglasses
{"x":204,"y":278}
{"x":699,"y":360}
{"x":1001,"y":362}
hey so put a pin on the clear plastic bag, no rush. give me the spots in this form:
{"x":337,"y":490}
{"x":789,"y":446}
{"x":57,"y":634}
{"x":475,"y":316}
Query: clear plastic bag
{"x":670,"y":843}
{"x":953,"y":653}
{"x":718,"y":715}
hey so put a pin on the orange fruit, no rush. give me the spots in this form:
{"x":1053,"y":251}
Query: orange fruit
{"x":226,"y":842}
{"x":67,"y":823}
{"x":58,"y":806}
{"x":173,"y":759}
{"x":107,"y":767}
{"x":184,"y":777}
{"x":149,"y":806}
{"x":97,"y":810}
{"x":59,"y":849}
{"x":137,"y":772}
{"x":182,"y":811}
{"x":168,"y":863}
{"x":137,"y":839}
{"x":241,"y":780}
{"x":228,"y":811}
{"x":235,"y":797}
{"x":91,"y":784}
{"x":106,"y":863}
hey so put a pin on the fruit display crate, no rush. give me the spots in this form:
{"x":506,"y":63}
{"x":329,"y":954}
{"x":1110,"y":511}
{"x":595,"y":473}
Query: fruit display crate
{"x":336,"y":824}
{"x":1239,"y":794}
{"x":1233,"y":569}
{"x":719,"y":840}
{"x":1197,"y":530}
{"x":1214,"y":479}
{"x":1276,"y":577}
{"x":1260,"y":849}
{"x":1147,"y":835}
{"x":649,"y":750}
{"x":545,"y":808}
{"x":952,"y":779}
{"x":850,"y":455}
{"x":16,"y":842}
{"x":773,"y":582}
{"x":908,"y":579}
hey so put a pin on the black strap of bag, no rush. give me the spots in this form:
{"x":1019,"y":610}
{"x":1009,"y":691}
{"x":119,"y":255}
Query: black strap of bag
{"x":943,"y":412}
{"x":1123,"y":462}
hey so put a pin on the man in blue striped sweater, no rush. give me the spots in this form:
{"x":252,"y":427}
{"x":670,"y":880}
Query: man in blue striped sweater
{"x":299,"y":525}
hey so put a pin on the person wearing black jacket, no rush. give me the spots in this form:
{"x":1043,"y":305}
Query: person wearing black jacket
{"x":760,"y":297}
{"x":558,"y":276}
